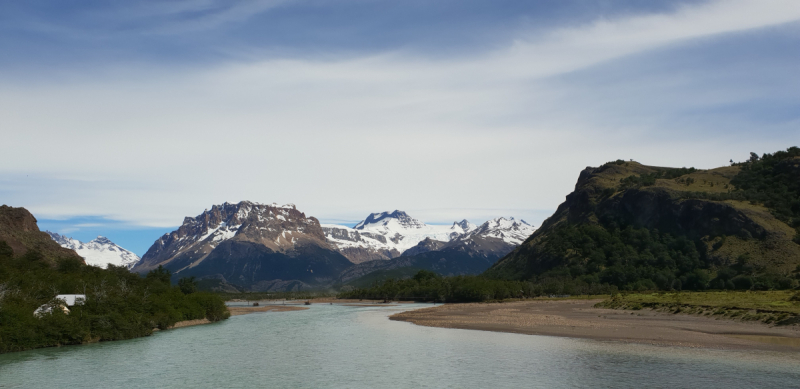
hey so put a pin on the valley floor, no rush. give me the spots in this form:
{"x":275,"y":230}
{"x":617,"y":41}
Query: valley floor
{"x":580,"y":319}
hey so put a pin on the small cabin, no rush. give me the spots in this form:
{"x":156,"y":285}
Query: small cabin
{"x":67,"y":300}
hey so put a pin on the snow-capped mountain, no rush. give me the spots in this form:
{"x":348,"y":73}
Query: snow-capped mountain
{"x":470,"y":252}
{"x":256,"y":246}
{"x":98,"y":252}
{"x":276,"y":227}
{"x":388,"y":235}
{"x":508,"y":230}
{"x":397,"y":218}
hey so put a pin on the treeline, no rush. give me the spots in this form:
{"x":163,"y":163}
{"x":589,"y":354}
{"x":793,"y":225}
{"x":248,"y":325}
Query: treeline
{"x":119,"y":304}
{"x":774,"y":181}
{"x":429,"y":286}
{"x":296,"y":295}
{"x":649,"y":179}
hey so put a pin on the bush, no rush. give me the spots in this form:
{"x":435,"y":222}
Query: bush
{"x":742,"y":282}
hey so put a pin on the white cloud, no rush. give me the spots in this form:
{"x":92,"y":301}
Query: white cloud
{"x":341,"y":138}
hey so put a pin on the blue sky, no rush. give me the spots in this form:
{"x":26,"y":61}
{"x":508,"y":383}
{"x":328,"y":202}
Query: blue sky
{"x":122,"y":118}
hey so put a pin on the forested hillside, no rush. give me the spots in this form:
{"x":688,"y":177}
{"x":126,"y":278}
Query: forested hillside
{"x":119,"y":304}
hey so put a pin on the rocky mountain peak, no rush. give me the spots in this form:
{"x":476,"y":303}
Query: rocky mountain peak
{"x":384,"y":218}
{"x":60,"y":239}
{"x":277,"y":227}
{"x":102,"y":240}
{"x":507,"y":229}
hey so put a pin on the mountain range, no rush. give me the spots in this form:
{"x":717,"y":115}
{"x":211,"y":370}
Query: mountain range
{"x":262,"y":247}
{"x":98,"y":252}
{"x":276,"y":247}
{"x":469,"y":252}
{"x":383,"y":236}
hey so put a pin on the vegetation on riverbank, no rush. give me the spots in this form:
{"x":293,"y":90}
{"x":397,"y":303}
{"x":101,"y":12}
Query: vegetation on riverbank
{"x":779,"y":307}
{"x":119,"y":304}
{"x":258,"y":296}
{"x":429,"y":286}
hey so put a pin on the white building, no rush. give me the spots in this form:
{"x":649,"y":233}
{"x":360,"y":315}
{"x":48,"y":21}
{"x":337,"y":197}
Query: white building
{"x":68,"y":300}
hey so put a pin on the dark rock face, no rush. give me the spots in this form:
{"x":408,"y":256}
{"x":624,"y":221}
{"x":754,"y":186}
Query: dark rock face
{"x":425,"y":246}
{"x":258,"y":268}
{"x":693,"y":218}
{"x":19,"y":229}
{"x":401,"y":216}
{"x":451,"y":259}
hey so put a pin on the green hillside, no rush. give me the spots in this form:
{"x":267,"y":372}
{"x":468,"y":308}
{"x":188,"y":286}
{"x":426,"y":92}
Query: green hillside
{"x":642,"y":227}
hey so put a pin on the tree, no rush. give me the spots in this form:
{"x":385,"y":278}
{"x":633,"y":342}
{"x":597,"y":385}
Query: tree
{"x":423,"y":275}
{"x":188,"y":285}
{"x":159,"y":274}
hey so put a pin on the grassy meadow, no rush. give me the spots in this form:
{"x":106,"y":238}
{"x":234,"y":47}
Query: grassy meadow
{"x":778,"y":307}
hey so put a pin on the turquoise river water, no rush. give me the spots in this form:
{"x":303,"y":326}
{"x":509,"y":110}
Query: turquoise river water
{"x":336,"y":346}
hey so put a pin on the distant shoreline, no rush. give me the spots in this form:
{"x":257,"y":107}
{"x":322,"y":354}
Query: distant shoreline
{"x":238,"y":311}
{"x":579,"y":319}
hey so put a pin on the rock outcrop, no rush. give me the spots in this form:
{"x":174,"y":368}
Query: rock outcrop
{"x":19,"y":229}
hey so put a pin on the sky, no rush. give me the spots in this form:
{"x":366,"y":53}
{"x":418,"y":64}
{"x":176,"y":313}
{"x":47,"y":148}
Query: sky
{"x":121,"y":118}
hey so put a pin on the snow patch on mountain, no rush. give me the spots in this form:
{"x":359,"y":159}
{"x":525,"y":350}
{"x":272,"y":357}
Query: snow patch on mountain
{"x":98,"y":252}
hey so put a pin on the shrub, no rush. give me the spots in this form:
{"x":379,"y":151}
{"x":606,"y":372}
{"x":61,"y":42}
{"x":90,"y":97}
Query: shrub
{"x":742,"y":282}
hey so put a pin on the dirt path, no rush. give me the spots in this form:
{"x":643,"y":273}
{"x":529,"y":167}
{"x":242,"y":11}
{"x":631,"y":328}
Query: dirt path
{"x":579,"y":319}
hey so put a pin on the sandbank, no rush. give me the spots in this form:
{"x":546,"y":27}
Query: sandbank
{"x":580,"y":319}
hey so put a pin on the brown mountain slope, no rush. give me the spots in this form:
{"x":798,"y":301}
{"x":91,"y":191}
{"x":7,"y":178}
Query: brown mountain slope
{"x":19,"y":230}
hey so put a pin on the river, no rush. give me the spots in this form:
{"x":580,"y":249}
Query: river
{"x":337,"y":346}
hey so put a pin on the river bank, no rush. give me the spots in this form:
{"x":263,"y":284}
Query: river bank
{"x":580,"y":319}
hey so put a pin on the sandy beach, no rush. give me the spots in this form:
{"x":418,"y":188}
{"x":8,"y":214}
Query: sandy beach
{"x":579,"y":319}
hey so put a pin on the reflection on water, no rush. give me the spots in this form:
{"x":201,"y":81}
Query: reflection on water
{"x":349,"y":347}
